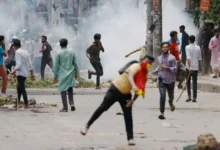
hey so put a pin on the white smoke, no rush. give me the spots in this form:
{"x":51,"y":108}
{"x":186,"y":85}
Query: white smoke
{"x":174,"y":15}
{"x":121,"y":23}
{"x":123,"y":27}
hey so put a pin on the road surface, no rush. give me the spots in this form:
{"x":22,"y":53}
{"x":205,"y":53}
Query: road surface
{"x":51,"y":130}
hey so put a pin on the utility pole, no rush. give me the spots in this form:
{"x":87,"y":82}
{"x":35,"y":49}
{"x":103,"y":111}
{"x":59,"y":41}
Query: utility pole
{"x":149,"y":33}
{"x":158,"y":31}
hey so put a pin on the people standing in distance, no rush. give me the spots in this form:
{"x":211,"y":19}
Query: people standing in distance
{"x":214,"y":47}
{"x":3,"y":73}
{"x":22,"y":69}
{"x":184,"y":43}
{"x":175,"y":51}
{"x":194,"y":57}
{"x":10,"y":59}
{"x":66,"y":72}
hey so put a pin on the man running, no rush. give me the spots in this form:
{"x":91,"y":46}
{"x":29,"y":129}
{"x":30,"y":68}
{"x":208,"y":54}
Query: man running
{"x":93,"y":53}
{"x":46,"y":57}
{"x":166,"y":76}
{"x":120,"y":91}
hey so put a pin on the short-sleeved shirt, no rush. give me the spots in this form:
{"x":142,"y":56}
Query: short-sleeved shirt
{"x":174,"y":50}
{"x":94,"y":52}
{"x":122,"y":82}
{"x":177,"y":41}
{"x":1,"y":55}
{"x":46,"y":53}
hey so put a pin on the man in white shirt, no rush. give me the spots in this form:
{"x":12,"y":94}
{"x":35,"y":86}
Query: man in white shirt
{"x":22,"y":69}
{"x":193,"y":56}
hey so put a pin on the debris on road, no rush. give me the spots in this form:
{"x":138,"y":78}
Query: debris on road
{"x":119,"y":113}
{"x":48,"y":83}
{"x":169,"y":125}
{"x":9,"y":101}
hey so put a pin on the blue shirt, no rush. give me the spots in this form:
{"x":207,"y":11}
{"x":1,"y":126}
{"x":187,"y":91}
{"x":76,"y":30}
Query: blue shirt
{"x":177,"y":41}
{"x":1,"y":55}
{"x":185,"y":40}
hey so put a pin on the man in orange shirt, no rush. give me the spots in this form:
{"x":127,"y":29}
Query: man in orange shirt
{"x":175,"y":51}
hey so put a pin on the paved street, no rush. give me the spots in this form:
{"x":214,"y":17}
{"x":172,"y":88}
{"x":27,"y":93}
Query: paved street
{"x":51,"y":130}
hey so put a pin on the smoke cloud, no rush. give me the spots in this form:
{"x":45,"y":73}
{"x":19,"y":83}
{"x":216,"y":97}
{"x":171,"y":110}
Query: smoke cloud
{"x":121,"y":23}
{"x":123,"y":27}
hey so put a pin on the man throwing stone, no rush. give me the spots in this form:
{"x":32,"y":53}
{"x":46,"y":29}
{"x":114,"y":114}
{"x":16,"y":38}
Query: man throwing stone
{"x":120,"y":91}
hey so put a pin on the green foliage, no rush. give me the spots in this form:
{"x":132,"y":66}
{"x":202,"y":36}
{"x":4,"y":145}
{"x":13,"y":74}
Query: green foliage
{"x":84,"y":83}
{"x":47,"y":83}
{"x":212,"y":15}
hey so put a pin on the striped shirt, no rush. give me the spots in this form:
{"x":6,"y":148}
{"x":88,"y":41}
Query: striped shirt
{"x":193,"y":53}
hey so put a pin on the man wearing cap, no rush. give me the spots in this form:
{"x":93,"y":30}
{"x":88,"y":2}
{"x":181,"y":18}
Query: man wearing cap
{"x":10,"y":60}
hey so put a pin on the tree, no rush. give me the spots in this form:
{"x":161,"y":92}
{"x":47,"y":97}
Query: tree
{"x":212,"y":15}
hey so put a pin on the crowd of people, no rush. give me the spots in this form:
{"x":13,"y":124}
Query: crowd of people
{"x":171,"y":68}
{"x":132,"y":77}
{"x":18,"y":62}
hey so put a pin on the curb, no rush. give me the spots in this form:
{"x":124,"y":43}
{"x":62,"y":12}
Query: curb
{"x":208,"y":87}
{"x":88,"y":91}
{"x":202,"y":86}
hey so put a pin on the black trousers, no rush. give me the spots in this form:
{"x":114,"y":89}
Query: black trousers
{"x":162,"y":89}
{"x":64,"y":97}
{"x":194,"y":77}
{"x":206,"y":60}
{"x":21,"y":89}
{"x":114,"y":95}
{"x":45,"y":62}
{"x":9,"y":66}
{"x":183,"y":56}
{"x":98,"y":71}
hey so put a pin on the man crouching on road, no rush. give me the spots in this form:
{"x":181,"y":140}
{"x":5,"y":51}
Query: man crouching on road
{"x":120,"y":91}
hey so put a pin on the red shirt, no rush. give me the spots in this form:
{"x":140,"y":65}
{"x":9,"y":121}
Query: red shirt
{"x":174,"y":50}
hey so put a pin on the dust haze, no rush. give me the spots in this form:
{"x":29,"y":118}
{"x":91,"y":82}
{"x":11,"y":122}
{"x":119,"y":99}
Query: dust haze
{"x":121,"y":23}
